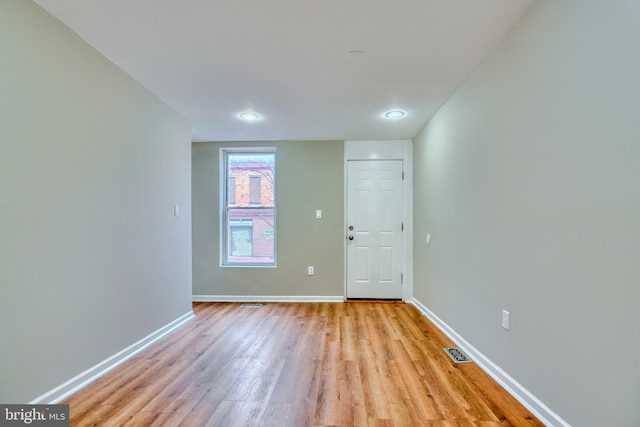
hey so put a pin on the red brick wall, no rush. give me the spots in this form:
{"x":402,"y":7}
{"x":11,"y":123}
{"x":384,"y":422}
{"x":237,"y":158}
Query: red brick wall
{"x":242,"y":189}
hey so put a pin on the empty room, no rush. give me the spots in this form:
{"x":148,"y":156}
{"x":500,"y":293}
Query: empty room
{"x":319,"y":213}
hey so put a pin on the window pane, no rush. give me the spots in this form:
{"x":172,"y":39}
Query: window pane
{"x":249,"y":213}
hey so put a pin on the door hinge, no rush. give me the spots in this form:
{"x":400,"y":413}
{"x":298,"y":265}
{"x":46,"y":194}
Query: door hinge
{"x":401,"y":278}
{"x":402,"y":228}
{"x":402,"y":174}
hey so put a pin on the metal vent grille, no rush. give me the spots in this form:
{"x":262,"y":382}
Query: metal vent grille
{"x":251,"y":305}
{"x":457,"y":355}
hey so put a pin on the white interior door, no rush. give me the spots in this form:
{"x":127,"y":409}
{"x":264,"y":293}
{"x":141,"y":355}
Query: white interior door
{"x":374,"y":229}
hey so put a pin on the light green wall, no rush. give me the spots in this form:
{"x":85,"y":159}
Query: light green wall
{"x":528,"y":180}
{"x":309,"y":176}
{"x":91,"y":164}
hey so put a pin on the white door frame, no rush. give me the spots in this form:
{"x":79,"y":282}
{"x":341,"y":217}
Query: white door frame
{"x":387,"y":150}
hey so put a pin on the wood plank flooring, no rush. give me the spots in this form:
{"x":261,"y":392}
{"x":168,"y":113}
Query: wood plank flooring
{"x":298,"y":364}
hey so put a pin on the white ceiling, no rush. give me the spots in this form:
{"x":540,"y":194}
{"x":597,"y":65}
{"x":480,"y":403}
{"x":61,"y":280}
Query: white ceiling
{"x":289,"y":61}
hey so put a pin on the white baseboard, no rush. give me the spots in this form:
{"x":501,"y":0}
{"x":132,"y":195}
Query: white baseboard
{"x":270,"y":298}
{"x":532,"y":403}
{"x":81,"y":380}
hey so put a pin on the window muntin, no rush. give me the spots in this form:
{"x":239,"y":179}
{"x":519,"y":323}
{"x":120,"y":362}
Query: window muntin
{"x":249,"y":209}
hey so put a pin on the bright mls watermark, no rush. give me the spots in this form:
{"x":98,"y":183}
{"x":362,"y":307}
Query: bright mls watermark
{"x":34,"y":415}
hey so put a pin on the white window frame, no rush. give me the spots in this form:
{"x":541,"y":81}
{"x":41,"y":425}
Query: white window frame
{"x":223,"y":208}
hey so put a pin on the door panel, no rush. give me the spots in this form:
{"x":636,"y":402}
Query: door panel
{"x":374,"y":210}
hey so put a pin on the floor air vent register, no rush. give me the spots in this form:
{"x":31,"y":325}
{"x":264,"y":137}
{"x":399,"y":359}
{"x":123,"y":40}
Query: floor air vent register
{"x":457,"y":355}
{"x":250,"y":305}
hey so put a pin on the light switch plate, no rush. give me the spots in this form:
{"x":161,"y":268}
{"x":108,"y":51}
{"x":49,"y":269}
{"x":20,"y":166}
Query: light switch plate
{"x":506,"y":319}
{"x":318,"y":214}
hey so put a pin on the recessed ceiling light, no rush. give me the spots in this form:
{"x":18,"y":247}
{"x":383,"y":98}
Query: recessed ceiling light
{"x":249,"y":117}
{"x":394,"y":114}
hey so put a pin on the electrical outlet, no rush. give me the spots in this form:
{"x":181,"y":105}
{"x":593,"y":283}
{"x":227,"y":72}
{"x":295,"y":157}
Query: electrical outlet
{"x":506,"y":319}
{"x":311,"y":270}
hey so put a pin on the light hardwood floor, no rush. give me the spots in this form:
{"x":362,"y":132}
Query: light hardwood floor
{"x":298,"y":364}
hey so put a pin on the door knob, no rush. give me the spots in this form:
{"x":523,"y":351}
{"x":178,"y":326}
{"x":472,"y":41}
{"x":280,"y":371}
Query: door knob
{"x":351,"y":227}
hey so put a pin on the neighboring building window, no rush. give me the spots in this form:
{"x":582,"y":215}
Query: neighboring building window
{"x":249,"y":210}
{"x":255,"y":191}
{"x":241,"y":243}
{"x":231,"y":190}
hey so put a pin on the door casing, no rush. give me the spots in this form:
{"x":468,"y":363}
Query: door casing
{"x":387,"y":150}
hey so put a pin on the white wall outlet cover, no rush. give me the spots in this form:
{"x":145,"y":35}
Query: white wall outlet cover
{"x":428,"y":238}
{"x":176,"y":210}
{"x":318,"y":214}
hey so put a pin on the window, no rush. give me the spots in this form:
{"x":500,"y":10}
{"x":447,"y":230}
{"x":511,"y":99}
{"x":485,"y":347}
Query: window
{"x":248,"y":207}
